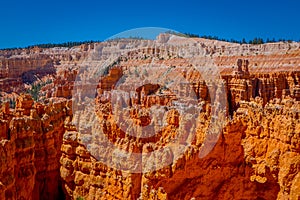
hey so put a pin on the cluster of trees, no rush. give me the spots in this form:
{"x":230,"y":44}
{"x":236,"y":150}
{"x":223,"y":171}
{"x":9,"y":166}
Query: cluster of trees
{"x":70,"y":44}
{"x":255,"y":40}
{"x":34,"y":92}
{"x":35,"y":89}
{"x":11,"y":101}
{"x":51,"y":45}
{"x":65,"y":44}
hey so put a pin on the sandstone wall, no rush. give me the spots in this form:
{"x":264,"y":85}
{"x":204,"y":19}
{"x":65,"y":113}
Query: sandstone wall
{"x":256,"y":157}
{"x":30,"y":149}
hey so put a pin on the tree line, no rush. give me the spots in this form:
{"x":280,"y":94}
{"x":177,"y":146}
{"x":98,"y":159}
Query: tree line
{"x":256,"y":40}
{"x":52,"y":45}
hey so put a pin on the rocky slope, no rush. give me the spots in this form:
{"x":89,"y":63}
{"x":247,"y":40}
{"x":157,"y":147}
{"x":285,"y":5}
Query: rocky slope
{"x":60,"y":148}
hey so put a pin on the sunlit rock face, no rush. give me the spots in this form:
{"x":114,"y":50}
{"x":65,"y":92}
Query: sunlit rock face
{"x":171,"y":118}
{"x":31,"y":139}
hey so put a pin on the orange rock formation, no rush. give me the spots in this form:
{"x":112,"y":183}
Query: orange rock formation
{"x":257,"y":155}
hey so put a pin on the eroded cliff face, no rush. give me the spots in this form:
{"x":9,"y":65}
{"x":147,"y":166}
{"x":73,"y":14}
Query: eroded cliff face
{"x":30,"y":149}
{"x":271,"y":143}
{"x":253,"y":158}
{"x":256,"y":157}
{"x":46,"y":155}
{"x":16,"y":71}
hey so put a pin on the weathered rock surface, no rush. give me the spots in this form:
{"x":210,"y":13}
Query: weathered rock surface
{"x":256,"y":157}
{"x":257,"y":154}
{"x":30,"y":149}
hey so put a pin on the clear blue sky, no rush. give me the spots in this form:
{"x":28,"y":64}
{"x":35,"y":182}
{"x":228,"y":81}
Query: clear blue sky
{"x":31,"y":22}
